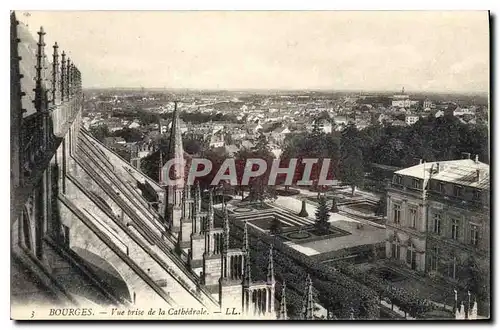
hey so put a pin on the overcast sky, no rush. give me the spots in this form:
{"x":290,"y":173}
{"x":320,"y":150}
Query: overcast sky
{"x":422,"y":51}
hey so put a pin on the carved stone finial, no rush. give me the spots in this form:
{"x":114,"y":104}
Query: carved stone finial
{"x":68,"y":79}
{"x":270,"y":267}
{"x":63,"y":76}
{"x":39,"y":100}
{"x":55,"y":69}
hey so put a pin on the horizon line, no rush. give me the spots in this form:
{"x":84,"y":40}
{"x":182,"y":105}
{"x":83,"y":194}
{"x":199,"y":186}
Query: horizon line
{"x":408,"y":92}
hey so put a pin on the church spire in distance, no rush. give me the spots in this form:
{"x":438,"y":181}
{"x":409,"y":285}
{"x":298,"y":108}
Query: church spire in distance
{"x":175,"y":152}
{"x":175,"y":149}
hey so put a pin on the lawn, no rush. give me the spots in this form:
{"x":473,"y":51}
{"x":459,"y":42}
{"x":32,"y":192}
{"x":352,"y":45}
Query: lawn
{"x":365,"y":208}
{"x":265,"y":223}
{"x":310,"y":234}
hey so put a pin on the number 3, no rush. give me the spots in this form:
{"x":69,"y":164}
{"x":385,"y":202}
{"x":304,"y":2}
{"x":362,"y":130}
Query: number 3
{"x":32,"y":314}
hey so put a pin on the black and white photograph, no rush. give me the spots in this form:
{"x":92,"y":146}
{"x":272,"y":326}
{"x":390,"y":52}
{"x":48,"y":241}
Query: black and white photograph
{"x":250,"y":165}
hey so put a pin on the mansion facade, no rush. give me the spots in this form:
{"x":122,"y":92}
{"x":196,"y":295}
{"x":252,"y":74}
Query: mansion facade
{"x":438,"y":219}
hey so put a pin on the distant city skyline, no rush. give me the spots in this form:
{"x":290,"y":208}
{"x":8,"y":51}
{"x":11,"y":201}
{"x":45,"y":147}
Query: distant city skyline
{"x":338,"y":51}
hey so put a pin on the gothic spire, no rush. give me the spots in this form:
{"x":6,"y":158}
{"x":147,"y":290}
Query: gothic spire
{"x":270,"y":267}
{"x":282,"y":313}
{"x":15,"y":76}
{"x":248,"y":270}
{"x":175,"y":148}
{"x":187,"y":193}
{"x":172,"y":173}
{"x":76,"y":80}
{"x":40,"y":67}
{"x":473,"y":311}
{"x":245,"y":238}
{"x":68,"y":77}
{"x":455,"y":306}
{"x":210,"y":216}
{"x":63,"y":76}
{"x":55,"y":69}
{"x":72,"y":80}
{"x":226,"y":229}
{"x":468,"y":302}
{"x":198,"y":195}
{"x":308,"y":300}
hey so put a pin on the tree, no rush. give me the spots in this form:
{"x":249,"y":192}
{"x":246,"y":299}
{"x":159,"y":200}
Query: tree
{"x":381,"y":209}
{"x":150,"y":165}
{"x":322,"y":216}
{"x":262,"y":145}
{"x":100,"y":132}
{"x":351,"y":157}
{"x":351,"y":168}
{"x":192,"y":146}
{"x":217,"y":158}
{"x":258,"y":188}
{"x":335,"y":208}
{"x":477,"y":280}
{"x":228,"y":140}
{"x":316,"y":130}
{"x":276,"y":227}
{"x":129,"y":134}
{"x":316,"y":144}
{"x":373,"y":253}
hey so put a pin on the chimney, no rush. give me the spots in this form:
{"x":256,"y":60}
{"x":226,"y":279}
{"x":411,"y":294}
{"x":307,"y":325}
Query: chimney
{"x":465,"y":155}
{"x":477,"y":159}
{"x":421,"y":161}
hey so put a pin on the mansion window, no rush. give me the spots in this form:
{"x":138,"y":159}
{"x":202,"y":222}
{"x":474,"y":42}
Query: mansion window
{"x":452,"y":268}
{"x":458,"y":191}
{"x":455,"y":228}
{"x":396,"y":249}
{"x":433,"y":259}
{"x":411,"y":256}
{"x":437,"y":224}
{"x":477,"y":195}
{"x":441,"y":187}
{"x":416,"y":184}
{"x":398,"y":179}
{"x":397,"y":213}
{"x":474,"y":235}
{"x":413,"y":217}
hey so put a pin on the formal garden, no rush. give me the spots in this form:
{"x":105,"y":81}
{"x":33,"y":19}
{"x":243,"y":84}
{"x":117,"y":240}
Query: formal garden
{"x":306,"y":234}
{"x":266,"y":222}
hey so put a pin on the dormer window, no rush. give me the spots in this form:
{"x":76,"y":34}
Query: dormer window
{"x":458,"y":191}
{"x":416,"y":184}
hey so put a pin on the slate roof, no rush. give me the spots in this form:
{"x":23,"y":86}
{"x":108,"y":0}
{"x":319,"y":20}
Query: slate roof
{"x":461,"y":172}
